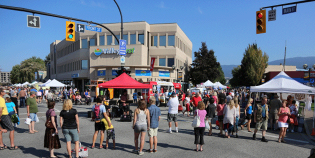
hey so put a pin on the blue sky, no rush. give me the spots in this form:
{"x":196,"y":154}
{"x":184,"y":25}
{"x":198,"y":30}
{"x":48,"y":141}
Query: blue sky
{"x":227,"y":26}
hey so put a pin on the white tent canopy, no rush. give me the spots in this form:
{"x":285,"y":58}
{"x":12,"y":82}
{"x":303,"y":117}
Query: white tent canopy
{"x":53,"y":83}
{"x":282,"y":83}
{"x":34,"y":82}
{"x":43,"y":85}
{"x":218,"y":84}
{"x":208,"y":83}
{"x":25,"y":83}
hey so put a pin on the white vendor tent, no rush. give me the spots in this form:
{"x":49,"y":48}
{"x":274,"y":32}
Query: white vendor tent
{"x":208,"y":83}
{"x":49,"y":80}
{"x":25,"y":83}
{"x":282,"y":83}
{"x":218,"y":84}
{"x":34,"y":82}
{"x":53,"y":83}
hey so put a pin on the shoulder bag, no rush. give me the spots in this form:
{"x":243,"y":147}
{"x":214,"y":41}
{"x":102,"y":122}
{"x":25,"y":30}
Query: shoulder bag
{"x":196,"y":121}
{"x":48,"y":123}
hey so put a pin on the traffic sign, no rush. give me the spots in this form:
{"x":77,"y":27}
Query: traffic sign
{"x":122,"y":47}
{"x":288,"y":10}
{"x":80,"y":28}
{"x":33,"y":21}
{"x":272,"y":15}
{"x":91,"y":28}
{"x":122,"y":59}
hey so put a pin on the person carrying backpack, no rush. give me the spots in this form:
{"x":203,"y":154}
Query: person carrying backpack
{"x":99,"y":112}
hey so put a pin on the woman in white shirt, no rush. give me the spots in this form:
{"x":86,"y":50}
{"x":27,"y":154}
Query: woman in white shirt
{"x":187,"y":104}
{"x":229,"y":113}
{"x":237,"y":116}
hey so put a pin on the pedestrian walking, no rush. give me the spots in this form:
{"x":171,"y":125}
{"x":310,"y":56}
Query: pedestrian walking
{"x":237,"y":115}
{"x":172,"y":112}
{"x":195,"y":100}
{"x":275,"y":105}
{"x":32,"y":110}
{"x":157,"y":100}
{"x":141,"y":124}
{"x":5,"y":122}
{"x":229,"y":113}
{"x":22,"y":95}
{"x":134,"y":96}
{"x":69,"y":122}
{"x":211,"y":114}
{"x":99,"y":112}
{"x":248,"y":115}
{"x":294,"y":112}
{"x":199,"y":131}
{"x":15,"y":101}
{"x":110,"y":131}
{"x":284,"y":115}
{"x":215,"y":97}
{"x":187,"y":104}
{"x":155,"y":116}
{"x":261,"y":118}
{"x":220,"y":108}
{"x":51,"y":140}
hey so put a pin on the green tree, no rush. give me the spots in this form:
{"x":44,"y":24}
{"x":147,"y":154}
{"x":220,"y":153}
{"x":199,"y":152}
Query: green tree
{"x":205,"y":67}
{"x":15,"y":74}
{"x":253,"y":66}
{"x":47,"y":59}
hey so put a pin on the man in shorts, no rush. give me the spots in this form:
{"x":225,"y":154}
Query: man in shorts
{"x":275,"y":105}
{"x":155,"y":115}
{"x":172,"y":112}
{"x":261,"y":118}
{"x":32,"y":110}
{"x":5,"y":122}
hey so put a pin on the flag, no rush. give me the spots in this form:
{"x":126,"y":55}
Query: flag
{"x":152,"y":64}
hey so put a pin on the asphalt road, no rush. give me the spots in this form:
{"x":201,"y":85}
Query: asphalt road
{"x":169,"y":145}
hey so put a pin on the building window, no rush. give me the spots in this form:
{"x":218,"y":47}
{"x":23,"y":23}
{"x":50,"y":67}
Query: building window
{"x":170,"y":62}
{"x":92,"y":42}
{"x":141,"y":38}
{"x":154,"y":40}
{"x":171,"y":40}
{"x":126,"y":38}
{"x":162,"y":62}
{"x":133,"y":39}
{"x":84,"y":64}
{"x":84,"y":43}
{"x":109,"y":39}
{"x":162,"y":40}
{"x":102,"y":40}
{"x":118,"y":36}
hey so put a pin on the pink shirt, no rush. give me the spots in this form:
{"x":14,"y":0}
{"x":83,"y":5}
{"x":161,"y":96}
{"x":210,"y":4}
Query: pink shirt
{"x":215,"y":99}
{"x":220,"y":108}
{"x":283,"y":118}
{"x":202,"y":114}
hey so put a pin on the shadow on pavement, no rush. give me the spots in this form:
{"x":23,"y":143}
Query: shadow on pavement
{"x":21,"y":130}
{"x":40,"y":152}
{"x":124,"y":147}
{"x":164,"y":145}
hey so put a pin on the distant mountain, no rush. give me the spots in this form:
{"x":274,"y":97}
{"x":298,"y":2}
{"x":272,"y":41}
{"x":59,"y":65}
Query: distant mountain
{"x":296,"y":61}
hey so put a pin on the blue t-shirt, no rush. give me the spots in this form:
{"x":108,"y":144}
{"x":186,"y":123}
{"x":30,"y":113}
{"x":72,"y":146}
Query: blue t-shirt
{"x":86,"y":93}
{"x":102,"y":109}
{"x":156,"y":97}
{"x":10,"y":106}
{"x":249,"y":110}
{"x":42,"y":91}
{"x":134,"y":95}
{"x":155,"y":112}
{"x":33,"y":90}
{"x":263,"y":113}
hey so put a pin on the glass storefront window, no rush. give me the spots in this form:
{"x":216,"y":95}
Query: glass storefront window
{"x":170,"y":62}
{"x":155,"y":40}
{"x":84,"y":43}
{"x":162,"y":40}
{"x":171,"y":40}
{"x":162,"y":62}
{"x":109,"y":39}
{"x":102,"y":41}
{"x":118,"y":36}
{"x":133,"y":39}
{"x":84,"y":64}
{"x":92,"y":42}
{"x":141,"y":38}
{"x":126,"y":38}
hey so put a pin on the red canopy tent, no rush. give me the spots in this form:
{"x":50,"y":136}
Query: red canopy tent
{"x":124,"y":81}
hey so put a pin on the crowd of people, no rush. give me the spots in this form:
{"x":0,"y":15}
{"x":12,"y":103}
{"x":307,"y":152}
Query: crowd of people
{"x":222,"y":108}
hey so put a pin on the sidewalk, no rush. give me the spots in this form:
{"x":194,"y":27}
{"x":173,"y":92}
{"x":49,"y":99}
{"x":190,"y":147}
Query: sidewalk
{"x":308,"y":124}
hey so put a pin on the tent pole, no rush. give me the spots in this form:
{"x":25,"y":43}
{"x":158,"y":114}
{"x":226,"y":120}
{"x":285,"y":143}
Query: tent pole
{"x":313,"y":112}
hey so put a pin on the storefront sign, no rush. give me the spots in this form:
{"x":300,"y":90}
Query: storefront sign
{"x":75,"y":76}
{"x":101,"y":73}
{"x":164,"y":74}
{"x":99,"y":52}
{"x":114,"y":73}
{"x":143,"y":73}
{"x":180,"y":76}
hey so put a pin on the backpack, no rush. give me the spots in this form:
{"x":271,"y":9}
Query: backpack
{"x":97,"y":114}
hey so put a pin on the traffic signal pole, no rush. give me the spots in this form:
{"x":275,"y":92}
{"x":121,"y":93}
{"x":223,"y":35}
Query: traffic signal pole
{"x":287,"y":4}
{"x":58,"y":16}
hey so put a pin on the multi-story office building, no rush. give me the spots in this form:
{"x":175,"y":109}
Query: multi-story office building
{"x":93,"y":55}
{"x":5,"y":77}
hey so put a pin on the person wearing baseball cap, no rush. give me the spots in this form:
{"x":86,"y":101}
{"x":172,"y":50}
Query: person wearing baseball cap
{"x":172,"y":112}
{"x":32,"y":110}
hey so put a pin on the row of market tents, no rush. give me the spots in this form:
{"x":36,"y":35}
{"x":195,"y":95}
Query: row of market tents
{"x":49,"y":83}
{"x":214,"y":85}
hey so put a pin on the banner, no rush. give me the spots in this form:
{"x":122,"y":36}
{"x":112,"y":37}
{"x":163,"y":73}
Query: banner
{"x":180,"y":76}
{"x":164,"y":74}
{"x":101,"y":73}
{"x":143,"y":73}
{"x":152,"y":64}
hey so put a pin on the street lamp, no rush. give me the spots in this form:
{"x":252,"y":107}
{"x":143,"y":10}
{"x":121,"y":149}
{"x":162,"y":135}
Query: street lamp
{"x":305,"y":66}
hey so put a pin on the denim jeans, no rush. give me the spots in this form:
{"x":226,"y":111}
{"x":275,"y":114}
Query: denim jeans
{"x":22,"y":101}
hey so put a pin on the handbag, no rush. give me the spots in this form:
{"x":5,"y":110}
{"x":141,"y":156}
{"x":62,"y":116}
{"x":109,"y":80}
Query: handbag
{"x":207,"y":125}
{"x":83,"y":152}
{"x":196,"y":121}
{"x":48,"y":123}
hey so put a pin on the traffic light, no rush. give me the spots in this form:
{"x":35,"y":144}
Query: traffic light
{"x":261,"y":21}
{"x":70,"y":33}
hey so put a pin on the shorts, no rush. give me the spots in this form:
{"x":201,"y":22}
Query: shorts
{"x":273,"y":115}
{"x":110,"y":134}
{"x":125,"y":108}
{"x":140,"y":128}
{"x":220,"y":118}
{"x":6,"y":123}
{"x":263,"y":124}
{"x":281,"y":124}
{"x":38,"y":97}
{"x":33,"y":117}
{"x":99,"y":126}
{"x":71,"y":134}
{"x":171,"y":117}
{"x":153,"y":132}
{"x":249,"y":116}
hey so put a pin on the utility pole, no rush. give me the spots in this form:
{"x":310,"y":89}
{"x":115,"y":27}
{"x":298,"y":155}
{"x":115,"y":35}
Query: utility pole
{"x":285,"y":54}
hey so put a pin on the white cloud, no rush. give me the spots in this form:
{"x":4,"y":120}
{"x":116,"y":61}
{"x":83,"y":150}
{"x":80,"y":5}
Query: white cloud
{"x":199,"y":10}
